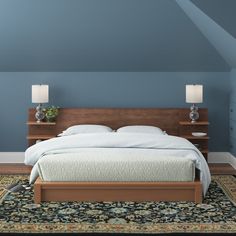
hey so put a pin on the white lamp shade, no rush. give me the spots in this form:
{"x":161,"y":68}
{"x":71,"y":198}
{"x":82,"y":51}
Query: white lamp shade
{"x":39,"y":93}
{"x":194,"y":93}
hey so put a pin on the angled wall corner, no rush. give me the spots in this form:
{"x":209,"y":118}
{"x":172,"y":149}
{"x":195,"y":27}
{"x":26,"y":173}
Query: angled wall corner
{"x":223,"y":42}
{"x":232,"y":77}
{"x":232,"y":112}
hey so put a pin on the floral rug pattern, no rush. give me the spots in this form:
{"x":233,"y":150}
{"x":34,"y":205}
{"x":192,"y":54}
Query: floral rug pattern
{"x":217,"y":213}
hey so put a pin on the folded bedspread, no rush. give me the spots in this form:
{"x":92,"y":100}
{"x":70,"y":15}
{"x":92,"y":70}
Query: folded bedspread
{"x":166,"y":147}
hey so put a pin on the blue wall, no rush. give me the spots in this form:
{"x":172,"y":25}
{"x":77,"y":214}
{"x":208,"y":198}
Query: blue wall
{"x":232,"y":112}
{"x":111,"y":89}
{"x":233,"y":85}
{"x":104,"y":35}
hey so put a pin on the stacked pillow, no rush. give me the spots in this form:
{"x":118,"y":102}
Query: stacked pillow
{"x":140,"y":129}
{"x":81,"y":129}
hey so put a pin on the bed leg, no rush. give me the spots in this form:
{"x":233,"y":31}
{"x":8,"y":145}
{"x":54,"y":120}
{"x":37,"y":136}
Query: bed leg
{"x":198,"y":193}
{"x":37,"y":192}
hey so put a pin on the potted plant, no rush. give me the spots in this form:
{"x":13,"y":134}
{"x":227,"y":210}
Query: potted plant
{"x":51,"y":113}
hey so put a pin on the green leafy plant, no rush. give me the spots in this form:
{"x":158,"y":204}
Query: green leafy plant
{"x":51,"y":113}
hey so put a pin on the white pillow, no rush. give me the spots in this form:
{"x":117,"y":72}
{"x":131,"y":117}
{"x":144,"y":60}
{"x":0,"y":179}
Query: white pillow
{"x":140,"y":129}
{"x":81,"y":129}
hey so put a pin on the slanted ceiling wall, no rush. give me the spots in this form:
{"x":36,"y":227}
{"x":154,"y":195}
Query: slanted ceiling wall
{"x":107,"y":53}
{"x":102,"y":35}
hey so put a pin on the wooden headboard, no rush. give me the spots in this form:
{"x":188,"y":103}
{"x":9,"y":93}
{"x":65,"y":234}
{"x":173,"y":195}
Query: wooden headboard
{"x":165,"y":118}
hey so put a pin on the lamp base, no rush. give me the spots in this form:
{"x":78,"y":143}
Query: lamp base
{"x":39,"y":115}
{"x":194,"y":115}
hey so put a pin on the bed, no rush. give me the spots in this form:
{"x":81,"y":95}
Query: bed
{"x":116,"y":160}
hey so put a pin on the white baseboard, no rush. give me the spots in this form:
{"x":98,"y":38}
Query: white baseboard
{"x":218,"y":157}
{"x":213,"y":157}
{"x":222,"y":157}
{"x":232,"y":160}
{"x":12,"y":157}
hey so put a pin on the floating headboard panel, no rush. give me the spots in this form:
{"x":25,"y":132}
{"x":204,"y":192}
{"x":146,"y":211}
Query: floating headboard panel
{"x":165,"y":118}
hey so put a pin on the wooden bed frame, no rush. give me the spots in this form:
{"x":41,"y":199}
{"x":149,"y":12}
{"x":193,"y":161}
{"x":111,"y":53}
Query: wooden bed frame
{"x":166,"y":119}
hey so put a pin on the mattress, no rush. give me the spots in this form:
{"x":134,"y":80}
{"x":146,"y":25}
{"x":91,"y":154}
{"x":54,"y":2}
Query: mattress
{"x":115,"y":164}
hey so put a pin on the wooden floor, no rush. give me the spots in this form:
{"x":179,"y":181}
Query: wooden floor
{"x":221,"y":169}
{"x":215,"y":168}
{"x":14,"y":169}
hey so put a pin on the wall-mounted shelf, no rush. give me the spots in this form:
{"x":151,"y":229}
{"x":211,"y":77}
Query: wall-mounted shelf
{"x":204,"y":151}
{"x":186,"y":128}
{"x":195,"y":137}
{"x":40,"y":130}
{"x":194,"y":123}
{"x":41,"y":137}
{"x":40,"y":123}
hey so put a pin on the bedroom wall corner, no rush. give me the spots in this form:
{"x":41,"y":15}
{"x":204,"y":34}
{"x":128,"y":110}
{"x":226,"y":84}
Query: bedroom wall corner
{"x":232,"y":112}
{"x":222,"y":157}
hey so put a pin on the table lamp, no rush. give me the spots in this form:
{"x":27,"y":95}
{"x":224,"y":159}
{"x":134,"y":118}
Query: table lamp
{"x":40,"y":96}
{"x":194,"y":94}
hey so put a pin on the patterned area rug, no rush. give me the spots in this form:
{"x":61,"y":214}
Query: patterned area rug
{"x":217,"y":214}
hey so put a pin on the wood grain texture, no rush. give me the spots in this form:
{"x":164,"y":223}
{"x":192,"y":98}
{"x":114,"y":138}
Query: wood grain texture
{"x":195,"y":137}
{"x":186,"y":128}
{"x":9,"y":168}
{"x":221,"y":169}
{"x":189,"y":123}
{"x":165,"y":118}
{"x":40,"y":123}
{"x":118,"y":191}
